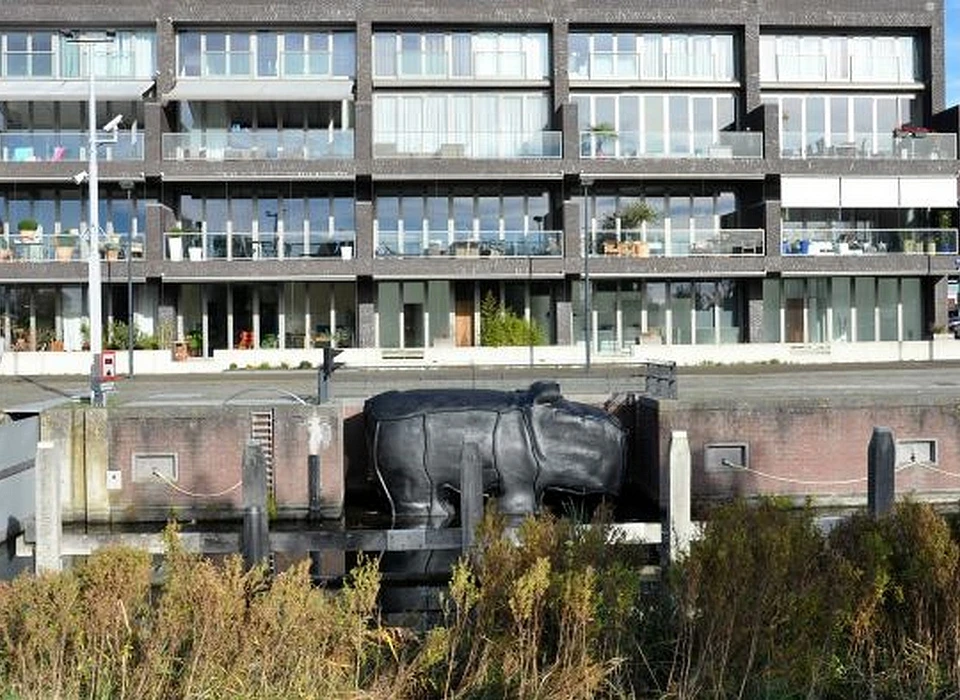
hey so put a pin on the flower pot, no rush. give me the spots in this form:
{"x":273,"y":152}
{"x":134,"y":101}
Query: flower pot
{"x":112,"y":255}
{"x":195,"y":253}
{"x":64,"y":253}
{"x":175,"y":248}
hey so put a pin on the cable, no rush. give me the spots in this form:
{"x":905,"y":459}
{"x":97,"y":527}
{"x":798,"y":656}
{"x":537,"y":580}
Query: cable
{"x":172,"y":485}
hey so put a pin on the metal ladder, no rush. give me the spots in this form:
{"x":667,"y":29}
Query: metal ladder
{"x":261,"y":430}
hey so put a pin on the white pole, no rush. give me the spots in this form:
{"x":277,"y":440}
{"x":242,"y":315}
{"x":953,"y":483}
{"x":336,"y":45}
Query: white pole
{"x":93,"y":258}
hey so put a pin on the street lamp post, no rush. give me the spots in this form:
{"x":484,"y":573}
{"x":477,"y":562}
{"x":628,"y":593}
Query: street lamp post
{"x":538,"y":220}
{"x":586,"y":183}
{"x":87,"y":40}
{"x":126,"y":186}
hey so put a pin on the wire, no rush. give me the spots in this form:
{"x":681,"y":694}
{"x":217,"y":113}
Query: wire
{"x":192,"y":494}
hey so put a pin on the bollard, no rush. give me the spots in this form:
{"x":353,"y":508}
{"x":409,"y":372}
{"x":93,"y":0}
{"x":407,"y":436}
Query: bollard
{"x":675,"y":495}
{"x":47,"y":510}
{"x":881,"y":485}
{"x":255,"y":539}
{"x":313,"y":487}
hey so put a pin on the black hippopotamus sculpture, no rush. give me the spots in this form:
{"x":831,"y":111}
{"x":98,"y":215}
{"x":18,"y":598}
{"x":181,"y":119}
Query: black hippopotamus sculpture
{"x":528,"y":441}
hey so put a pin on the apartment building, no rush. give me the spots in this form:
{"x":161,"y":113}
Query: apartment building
{"x":645,"y":174}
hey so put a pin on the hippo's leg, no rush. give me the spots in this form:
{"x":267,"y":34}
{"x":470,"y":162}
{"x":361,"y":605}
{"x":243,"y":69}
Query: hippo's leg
{"x":413,"y":497}
{"x":518,"y":498}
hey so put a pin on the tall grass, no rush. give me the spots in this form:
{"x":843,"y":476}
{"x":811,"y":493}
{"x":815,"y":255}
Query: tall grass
{"x":764,"y":606}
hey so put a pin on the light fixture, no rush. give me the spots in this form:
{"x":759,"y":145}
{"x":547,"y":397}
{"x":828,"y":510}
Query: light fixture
{"x":113,"y":123}
{"x":81,"y":177}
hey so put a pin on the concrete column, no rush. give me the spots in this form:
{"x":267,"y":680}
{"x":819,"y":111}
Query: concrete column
{"x":47,"y":510}
{"x":675,"y":498}
{"x":881,"y":486}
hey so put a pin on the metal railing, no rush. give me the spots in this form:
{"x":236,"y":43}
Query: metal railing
{"x":870,"y":145}
{"x":415,"y":244}
{"x":49,"y":146}
{"x":622,"y":65}
{"x":432,"y":144}
{"x":792,"y":68}
{"x":68,"y":247}
{"x":659,"y":242}
{"x":259,"y":145}
{"x":864,"y":241}
{"x":244,"y":245}
{"x":682,"y":144}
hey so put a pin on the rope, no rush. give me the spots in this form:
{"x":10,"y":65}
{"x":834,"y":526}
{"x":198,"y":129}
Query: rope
{"x":838,"y":482}
{"x":192,"y":494}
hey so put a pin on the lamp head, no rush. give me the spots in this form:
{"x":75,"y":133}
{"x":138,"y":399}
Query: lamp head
{"x":80,"y":177}
{"x":113,"y":123}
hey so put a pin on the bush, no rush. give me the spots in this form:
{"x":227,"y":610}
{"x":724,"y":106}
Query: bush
{"x":500,"y":327}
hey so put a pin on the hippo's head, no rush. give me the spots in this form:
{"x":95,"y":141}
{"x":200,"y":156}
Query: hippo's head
{"x":580,"y":448}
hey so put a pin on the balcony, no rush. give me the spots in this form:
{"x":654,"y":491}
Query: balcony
{"x":67,"y":247}
{"x":39,"y":146}
{"x":208,"y":146}
{"x":596,"y":144}
{"x":845,"y":241}
{"x":513,"y":244}
{"x":652,"y":242}
{"x":868,"y":145}
{"x":245,"y":245}
{"x":474,"y":145}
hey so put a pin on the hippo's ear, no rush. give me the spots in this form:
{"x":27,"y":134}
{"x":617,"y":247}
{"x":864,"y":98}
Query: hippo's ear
{"x":544,"y":392}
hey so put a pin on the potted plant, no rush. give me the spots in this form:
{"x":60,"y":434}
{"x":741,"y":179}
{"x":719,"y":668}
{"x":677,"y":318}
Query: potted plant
{"x":28,"y":229}
{"x":112,"y":246}
{"x":195,"y":248}
{"x":175,"y":243}
{"x":5,"y":252}
{"x":603,"y":134}
{"x":65,"y":244}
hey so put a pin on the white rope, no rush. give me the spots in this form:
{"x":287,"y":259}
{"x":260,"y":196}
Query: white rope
{"x":192,"y":494}
{"x":930,"y":467}
{"x":837,"y":482}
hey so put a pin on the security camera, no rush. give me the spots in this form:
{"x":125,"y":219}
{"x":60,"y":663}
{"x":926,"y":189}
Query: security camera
{"x":113,"y":123}
{"x":80,"y":177}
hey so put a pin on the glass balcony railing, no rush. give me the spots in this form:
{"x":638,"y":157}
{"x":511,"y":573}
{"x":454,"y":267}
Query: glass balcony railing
{"x":876,"y":241}
{"x":259,"y":145}
{"x":658,"y":242}
{"x":869,"y":145}
{"x":41,"y":146}
{"x":244,"y":245}
{"x":431,"y":144}
{"x":68,"y":247}
{"x":682,"y":144}
{"x":819,"y":68}
{"x":469,"y":244}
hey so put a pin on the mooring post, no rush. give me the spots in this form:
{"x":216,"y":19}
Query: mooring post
{"x":471,"y":494}
{"x":881,"y":484}
{"x":48,"y":520}
{"x":675,"y":496}
{"x":255,"y":539}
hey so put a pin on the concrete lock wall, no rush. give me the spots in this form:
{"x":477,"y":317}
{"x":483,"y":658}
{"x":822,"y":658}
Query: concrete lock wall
{"x":806,"y":448}
{"x":109,"y":458}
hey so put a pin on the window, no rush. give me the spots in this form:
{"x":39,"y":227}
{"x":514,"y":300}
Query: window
{"x":267,"y":54}
{"x":483,"y":55}
{"x":843,"y":59}
{"x":637,"y":56}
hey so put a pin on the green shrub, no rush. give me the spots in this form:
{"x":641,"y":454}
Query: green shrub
{"x":500,"y":326}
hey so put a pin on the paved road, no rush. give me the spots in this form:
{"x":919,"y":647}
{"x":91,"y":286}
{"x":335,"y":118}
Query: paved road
{"x":919,"y":381}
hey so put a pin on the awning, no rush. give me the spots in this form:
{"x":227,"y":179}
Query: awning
{"x":69,"y":90}
{"x":238,"y":90}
